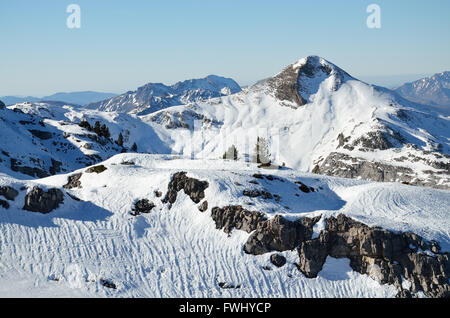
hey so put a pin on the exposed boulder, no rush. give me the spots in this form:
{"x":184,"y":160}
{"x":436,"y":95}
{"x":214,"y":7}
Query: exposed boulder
{"x":278,"y":260}
{"x":143,"y":206}
{"x":203,"y":207}
{"x":236,"y":217}
{"x":383,"y":255}
{"x":97,"y":169}
{"x":346,"y":166}
{"x":73,"y":181}
{"x":257,"y":193}
{"x":4,"y":204}
{"x":9,"y":192}
{"x":194,"y":188}
{"x":37,"y":200}
{"x":30,"y":171}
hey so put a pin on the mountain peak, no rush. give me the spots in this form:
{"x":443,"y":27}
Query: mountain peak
{"x":296,"y":84}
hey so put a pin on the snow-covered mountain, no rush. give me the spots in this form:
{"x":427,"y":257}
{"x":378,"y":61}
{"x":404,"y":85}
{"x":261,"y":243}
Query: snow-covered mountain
{"x":314,"y":115}
{"x":318,"y":118}
{"x":73,"y":98}
{"x":434,"y":90}
{"x":156,"y":96}
{"x":78,"y":217}
{"x":41,"y":139}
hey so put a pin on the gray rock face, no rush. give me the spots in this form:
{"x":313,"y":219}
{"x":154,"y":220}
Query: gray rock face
{"x":9,"y":192}
{"x":383,"y":255}
{"x":194,"y":188}
{"x":4,"y":204}
{"x":97,"y":169}
{"x":235,"y":217}
{"x":203,"y":206}
{"x":338,"y":164}
{"x":37,"y":200}
{"x":73,"y":181}
{"x":143,"y":206}
{"x":278,"y":234}
{"x":30,"y":171}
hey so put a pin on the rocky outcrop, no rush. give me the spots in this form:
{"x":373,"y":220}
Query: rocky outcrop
{"x":279,"y":234}
{"x":143,"y":206}
{"x":96,"y":169}
{"x":2,"y":105}
{"x":29,"y":171}
{"x":257,"y":193}
{"x":38,"y":200}
{"x":203,"y":206}
{"x":194,"y":188}
{"x":235,"y":217}
{"x":8,"y":192}
{"x":278,"y":260}
{"x":346,"y":166}
{"x":73,"y":181}
{"x":385,"y":256}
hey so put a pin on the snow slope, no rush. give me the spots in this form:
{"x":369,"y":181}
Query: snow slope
{"x":178,"y":252}
{"x":314,"y":115}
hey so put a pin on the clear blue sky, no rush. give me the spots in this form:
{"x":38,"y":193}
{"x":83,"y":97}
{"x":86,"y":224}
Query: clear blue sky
{"x":124,"y":44}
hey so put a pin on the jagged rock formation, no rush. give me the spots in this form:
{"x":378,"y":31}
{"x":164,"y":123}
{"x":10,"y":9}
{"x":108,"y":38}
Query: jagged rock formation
{"x":73,"y":181}
{"x":194,"y":188}
{"x":143,"y":206}
{"x":8,"y":192}
{"x":343,"y":165}
{"x":384,"y":255}
{"x":279,"y":234}
{"x":38,"y":200}
{"x":236,"y":217}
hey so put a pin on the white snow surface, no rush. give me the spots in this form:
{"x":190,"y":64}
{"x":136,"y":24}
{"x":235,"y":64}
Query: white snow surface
{"x":179,"y":252}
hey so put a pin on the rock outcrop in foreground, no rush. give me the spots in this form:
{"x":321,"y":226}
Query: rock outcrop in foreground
{"x":385,"y":256}
{"x":38,"y":200}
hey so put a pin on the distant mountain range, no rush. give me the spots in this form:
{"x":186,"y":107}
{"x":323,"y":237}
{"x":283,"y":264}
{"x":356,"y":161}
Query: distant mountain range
{"x":77,"y":98}
{"x":434,"y":90}
{"x":156,"y":96}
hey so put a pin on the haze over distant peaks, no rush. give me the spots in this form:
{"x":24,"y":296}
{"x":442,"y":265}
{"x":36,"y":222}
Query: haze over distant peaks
{"x":156,"y":96}
{"x":434,"y":90}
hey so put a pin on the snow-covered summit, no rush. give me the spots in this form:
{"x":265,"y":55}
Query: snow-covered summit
{"x":297,"y":83}
{"x":434,"y":90}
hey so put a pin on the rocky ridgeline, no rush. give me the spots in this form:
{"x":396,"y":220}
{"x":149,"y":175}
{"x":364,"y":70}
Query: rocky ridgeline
{"x":385,"y":256}
{"x":194,"y":188}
